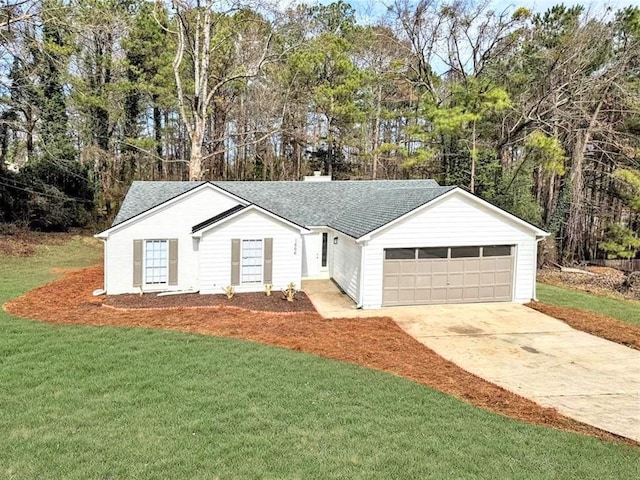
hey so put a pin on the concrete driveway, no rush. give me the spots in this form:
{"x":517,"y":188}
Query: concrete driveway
{"x":584,"y":377}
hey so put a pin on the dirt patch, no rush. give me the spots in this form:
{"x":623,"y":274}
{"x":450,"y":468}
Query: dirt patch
{"x":605,"y":281}
{"x":257,"y":301}
{"x":593,"y":323}
{"x":466,"y":330}
{"x":602,"y":270}
{"x":376,"y":343}
{"x":17,"y":242}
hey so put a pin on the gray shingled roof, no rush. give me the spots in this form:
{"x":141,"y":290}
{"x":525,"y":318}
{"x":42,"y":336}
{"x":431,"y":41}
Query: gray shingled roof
{"x":352,"y":207}
{"x":143,"y":196}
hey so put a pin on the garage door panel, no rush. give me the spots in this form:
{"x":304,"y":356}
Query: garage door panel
{"x":407,"y":281}
{"x":487,"y":292}
{"x":488,"y":263}
{"x":472,"y":265}
{"x":423,"y":295}
{"x":503,"y":292}
{"x":455,"y":294}
{"x":456,"y":279}
{"x":406,"y":296}
{"x":391,"y":281}
{"x":471,"y":279}
{"x":439,"y":280}
{"x":428,"y":280}
{"x":423,"y":266}
{"x":503,"y":277}
{"x":439,"y":266}
{"x":408,"y":267}
{"x":487,"y":278}
{"x":438,"y":295}
{"x":456,"y":266}
{"x":470,"y":294}
{"x":391,"y":267}
{"x":503,"y":263}
{"x":390,"y":296}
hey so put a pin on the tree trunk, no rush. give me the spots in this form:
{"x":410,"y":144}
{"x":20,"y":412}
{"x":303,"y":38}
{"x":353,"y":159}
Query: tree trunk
{"x":195,"y":157}
{"x":157,"y":133}
{"x":474,"y":154}
{"x":376,"y":135}
{"x":575,"y":222}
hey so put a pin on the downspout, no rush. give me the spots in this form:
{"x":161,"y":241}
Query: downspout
{"x":535,"y":266}
{"x":104,"y":265}
{"x":361,"y":293}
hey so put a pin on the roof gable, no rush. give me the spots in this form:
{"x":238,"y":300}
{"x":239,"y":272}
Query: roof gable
{"x":143,"y":196}
{"x":469,"y":196}
{"x":139,"y":201}
{"x":238,"y":211}
{"x":217,"y":218}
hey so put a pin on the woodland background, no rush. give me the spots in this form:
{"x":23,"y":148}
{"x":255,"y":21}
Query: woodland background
{"x":538,"y":113}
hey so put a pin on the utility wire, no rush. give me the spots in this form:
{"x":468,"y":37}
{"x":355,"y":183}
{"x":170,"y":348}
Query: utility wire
{"x":44,"y":194}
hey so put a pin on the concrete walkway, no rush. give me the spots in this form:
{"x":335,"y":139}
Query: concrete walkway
{"x":582,"y":376}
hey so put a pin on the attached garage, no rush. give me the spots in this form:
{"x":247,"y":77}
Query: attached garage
{"x":456,"y":248}
{"x":436,"y":275}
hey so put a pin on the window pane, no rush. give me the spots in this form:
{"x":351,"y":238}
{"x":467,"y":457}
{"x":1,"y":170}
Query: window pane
{"x":251,"y":271}
{"x":438,"y":252}
{"x":496,"y":251}
{"x":465,"y":252}
{"x":155,"y":262}
{"x":400,"y":253}
{"x":325,"y":245}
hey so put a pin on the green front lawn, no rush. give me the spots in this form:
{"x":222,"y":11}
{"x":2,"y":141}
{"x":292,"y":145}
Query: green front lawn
{"x":625,"y":310}
{"x":97,"y":402}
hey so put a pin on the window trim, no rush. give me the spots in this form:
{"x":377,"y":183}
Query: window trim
{"x":324,"y":254}
{"x":510,"y":247}
{"x":242,"y":244}
{"x":389,"y":251}
{"x":422,"y":249}
{"x":145,"y":282}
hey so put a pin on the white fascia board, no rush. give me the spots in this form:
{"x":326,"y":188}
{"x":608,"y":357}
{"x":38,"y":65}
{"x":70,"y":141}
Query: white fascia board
{"x":151,"y":211}
{"x":522,"y":223}
{"x":255,"y":207}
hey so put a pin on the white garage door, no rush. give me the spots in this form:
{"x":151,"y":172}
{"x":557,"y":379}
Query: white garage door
{"x":421,"y":276}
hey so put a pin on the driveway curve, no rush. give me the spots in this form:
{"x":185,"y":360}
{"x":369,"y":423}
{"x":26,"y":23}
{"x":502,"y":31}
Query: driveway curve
{"x":582,"y":376}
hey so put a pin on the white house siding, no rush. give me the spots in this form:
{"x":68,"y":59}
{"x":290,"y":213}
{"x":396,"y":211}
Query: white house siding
{"x":171,"y":221}
{"x":345,"y":264}
{"x":215,"y":252}
{"x":453,"y":221}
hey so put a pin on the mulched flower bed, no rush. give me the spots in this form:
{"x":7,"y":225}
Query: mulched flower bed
{"x":376,"y":343}
{"x":257,"y":301}
{"x":593,"y":323}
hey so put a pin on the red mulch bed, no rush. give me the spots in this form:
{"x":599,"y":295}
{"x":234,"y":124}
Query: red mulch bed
{"x":257,"y":301}
{"x":376,"y":343}
{"x":593,"y":323}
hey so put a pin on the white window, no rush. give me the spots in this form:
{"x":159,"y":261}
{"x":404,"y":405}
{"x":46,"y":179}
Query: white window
{"x":156,"y":260}
{"x":252,"y":255}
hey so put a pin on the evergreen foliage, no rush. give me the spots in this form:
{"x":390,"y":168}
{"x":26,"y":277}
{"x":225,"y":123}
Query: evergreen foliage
{"x":535,"y":111}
